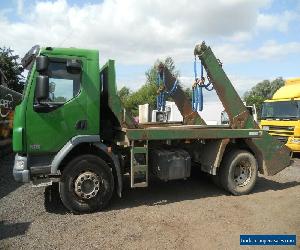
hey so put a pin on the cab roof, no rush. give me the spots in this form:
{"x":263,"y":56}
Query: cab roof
{"x":87,"y":53}
{"x":291,"y":90}
{"x":292,"y":81}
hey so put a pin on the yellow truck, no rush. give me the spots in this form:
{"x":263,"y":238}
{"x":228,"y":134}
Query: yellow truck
{"x":281,"y":114}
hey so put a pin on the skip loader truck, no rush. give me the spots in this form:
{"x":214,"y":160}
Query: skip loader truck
{"x":72,"y":128}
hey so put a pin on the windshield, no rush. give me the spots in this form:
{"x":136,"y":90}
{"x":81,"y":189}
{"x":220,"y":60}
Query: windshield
{"x":281,"y":110}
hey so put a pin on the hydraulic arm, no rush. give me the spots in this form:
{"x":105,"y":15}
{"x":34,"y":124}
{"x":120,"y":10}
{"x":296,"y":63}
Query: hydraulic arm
{"x":183,"y":103}
{"x":238,"y":114}
{"x":273,"y":156}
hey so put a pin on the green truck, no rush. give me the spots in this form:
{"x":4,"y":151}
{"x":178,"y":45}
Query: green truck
{"x":72,"y":128}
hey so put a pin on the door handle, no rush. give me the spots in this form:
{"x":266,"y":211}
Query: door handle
{"x":81,"y":125}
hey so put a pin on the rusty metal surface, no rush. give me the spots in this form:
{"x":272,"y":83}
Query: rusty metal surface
{"x":111,"y":97}
{"x":272,"y":155}
{"x":239,"y":120}
{"x":182,"y":102}
{"x":180,"y":125}
{"x":238,"y":114}
{"x":158,"y":124}
{"x":211,"y":159}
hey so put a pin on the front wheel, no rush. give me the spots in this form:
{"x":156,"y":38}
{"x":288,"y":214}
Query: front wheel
{"x":238,"y":172}
{"x":86,"y":185}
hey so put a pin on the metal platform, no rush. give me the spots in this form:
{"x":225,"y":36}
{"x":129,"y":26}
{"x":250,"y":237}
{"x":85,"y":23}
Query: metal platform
{"x":190,"y":132}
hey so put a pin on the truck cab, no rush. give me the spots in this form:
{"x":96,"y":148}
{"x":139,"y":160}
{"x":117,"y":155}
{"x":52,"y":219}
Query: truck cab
{"x":281,"y":114}
{"x":61,"y":102}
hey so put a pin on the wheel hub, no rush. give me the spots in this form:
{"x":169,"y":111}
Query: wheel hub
{"x":242,"y":173}
{"x":87,"y":185}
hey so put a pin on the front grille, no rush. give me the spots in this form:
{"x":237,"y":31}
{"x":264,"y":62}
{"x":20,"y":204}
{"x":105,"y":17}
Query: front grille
{"x":281,"y":130}
{"x":287,"y":128}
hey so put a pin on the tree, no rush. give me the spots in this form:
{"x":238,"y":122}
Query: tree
{"x":151,"y":74}
{"x":148,"y":92}
{"x":11,"y":69}
{"x":262,"y":91}
{"x":123,"y":93}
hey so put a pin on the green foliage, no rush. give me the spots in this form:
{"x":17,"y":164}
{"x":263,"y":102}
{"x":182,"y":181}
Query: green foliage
{"x":148,"y":92}
{"x":123,"y":93}
{"x":151,"y":74}
{"x":262,"y":91}
{"x":11,"y":70}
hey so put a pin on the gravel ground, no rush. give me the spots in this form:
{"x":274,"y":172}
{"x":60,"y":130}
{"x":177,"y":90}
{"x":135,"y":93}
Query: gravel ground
{"x":191,"y":214}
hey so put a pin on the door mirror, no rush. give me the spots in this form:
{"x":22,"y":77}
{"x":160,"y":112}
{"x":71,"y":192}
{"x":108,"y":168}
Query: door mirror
{"x":28,"y":59}
{"x":73,"y":66}
{"x":42,"y":87}
{"x":42,"y":63}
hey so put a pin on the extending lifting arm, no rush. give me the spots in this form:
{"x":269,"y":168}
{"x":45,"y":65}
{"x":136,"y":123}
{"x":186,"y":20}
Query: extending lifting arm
{"x":190,"y":117}
{"x":272,"y":155}
{"x":238,"y":114}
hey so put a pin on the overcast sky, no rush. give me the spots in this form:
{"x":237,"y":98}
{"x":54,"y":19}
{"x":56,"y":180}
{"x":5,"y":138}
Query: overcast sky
{"x":255,"y":39}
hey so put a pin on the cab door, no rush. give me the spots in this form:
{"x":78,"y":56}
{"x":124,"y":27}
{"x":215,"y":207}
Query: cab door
{"x":51,"y":124}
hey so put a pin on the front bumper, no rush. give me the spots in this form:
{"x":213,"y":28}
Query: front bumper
{"x":293,"y":144}
{"x":20,"y":170}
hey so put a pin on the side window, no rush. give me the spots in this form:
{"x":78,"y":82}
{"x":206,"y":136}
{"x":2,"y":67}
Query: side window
{"x":63,"y":86}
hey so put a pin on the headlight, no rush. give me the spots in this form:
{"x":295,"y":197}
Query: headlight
{"x":295,"y":140}
{"x":266,"y":128}
{"x":19,"y":165}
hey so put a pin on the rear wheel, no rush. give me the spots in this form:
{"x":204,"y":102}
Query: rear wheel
{"x":238,"y":172}
{"x":86,"y":185}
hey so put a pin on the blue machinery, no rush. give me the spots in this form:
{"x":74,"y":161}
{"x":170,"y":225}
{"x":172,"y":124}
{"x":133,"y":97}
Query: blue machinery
{"x":163,"y":94}
{"x":197,"y":89}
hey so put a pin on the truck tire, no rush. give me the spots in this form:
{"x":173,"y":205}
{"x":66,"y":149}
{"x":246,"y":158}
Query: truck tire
{"x":52,"y":201}
{"x":87,"y":184}
{"x":238,"y":172}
